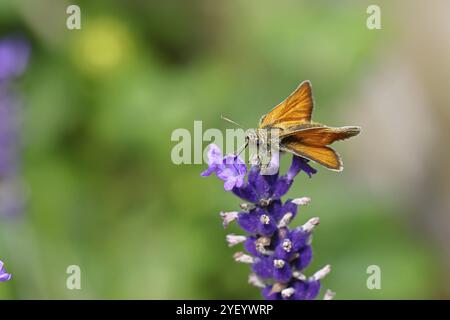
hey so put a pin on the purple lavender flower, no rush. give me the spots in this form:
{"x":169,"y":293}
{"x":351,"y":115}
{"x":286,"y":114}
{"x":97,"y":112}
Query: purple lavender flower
{"x":4,"y":276}
{"x":14,"y":56}
{"x":230,"y":169}
{"x":277,"y":255}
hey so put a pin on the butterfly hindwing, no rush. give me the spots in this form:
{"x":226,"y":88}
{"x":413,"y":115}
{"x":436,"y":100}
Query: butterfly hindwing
{"x":323,"y":155}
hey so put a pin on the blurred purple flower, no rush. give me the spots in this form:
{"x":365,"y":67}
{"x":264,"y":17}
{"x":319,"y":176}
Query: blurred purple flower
{"x":14,"y":55}
{"x":8,"y":134}
{"x":4,"y":276}
{"x":277,"y":254}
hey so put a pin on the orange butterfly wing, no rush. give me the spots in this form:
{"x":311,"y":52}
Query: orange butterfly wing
{"x":302,"y":137}
{"x":318,"y":135}
{"x":311,"y":143}
{"x":325,"y":156}
{"x":294,"y":110}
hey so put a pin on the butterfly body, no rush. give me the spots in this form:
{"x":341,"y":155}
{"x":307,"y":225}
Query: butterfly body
{"x":297,"y":134}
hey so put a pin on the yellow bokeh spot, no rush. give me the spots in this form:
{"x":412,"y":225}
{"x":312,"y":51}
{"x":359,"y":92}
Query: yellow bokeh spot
{"x":102,"y":45}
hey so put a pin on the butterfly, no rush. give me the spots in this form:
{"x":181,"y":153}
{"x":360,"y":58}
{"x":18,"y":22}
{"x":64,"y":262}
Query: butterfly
{"x":299,"y":135}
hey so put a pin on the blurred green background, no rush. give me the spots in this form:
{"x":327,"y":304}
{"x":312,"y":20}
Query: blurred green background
{"x":100,"y":105}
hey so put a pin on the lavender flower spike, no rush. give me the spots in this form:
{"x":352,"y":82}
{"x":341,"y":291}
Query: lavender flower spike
{"x":277,"y":254}
{"x":4,"y":276}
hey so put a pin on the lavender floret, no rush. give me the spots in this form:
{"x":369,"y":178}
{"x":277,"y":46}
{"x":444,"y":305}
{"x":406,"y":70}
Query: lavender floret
{"x":4,"y":276}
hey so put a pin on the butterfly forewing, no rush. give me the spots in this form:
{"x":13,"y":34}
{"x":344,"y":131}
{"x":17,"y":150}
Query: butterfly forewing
{"x":294,"y":110}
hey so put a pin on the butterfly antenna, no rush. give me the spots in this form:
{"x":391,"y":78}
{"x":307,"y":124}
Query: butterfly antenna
{"x":241,"y":148}
{"x":231,"y":121}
